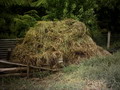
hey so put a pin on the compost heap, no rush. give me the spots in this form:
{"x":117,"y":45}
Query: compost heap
{"x":56,"y":43}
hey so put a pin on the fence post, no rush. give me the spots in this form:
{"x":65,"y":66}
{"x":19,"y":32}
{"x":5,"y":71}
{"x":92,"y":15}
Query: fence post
{"x":9,"y":53}
{"x":28,"y":69}
{"x":108,"y":39}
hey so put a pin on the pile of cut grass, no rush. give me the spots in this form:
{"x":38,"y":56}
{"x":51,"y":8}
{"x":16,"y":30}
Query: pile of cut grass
{"x":56,"y":43}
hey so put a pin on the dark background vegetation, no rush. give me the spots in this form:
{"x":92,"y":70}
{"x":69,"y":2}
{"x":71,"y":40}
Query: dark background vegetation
{"x":100,"y":16}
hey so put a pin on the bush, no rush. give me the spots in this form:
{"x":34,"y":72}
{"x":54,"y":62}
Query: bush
{"x":33,"y":13}
{"x":99,"y":38}
{"x":21,"y":24}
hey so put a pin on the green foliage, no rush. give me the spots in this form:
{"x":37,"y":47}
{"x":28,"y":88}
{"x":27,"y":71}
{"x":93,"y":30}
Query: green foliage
{"x":81,"y":10}
{"x":38,"y":3}
{"x":98,"y":37}
{"x":21,"y":24}
{"x":5,"y":20}
{"x":87,"y":11}
{"x":33,"y":13}
{"x":13,"y":25}
{"x":8,"y":3}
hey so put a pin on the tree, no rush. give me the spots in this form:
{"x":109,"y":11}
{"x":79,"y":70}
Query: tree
{"x":13,"y":22}
{"x":82,"y":10}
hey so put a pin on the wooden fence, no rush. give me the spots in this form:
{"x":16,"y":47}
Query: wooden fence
{"x":15,"y":69}
{"x":6,"y":46}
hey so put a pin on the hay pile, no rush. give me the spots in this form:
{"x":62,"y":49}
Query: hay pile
{"x":55,"y":43}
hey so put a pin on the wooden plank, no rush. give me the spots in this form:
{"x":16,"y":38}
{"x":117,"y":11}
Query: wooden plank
{"x":14,"y":69}
{"x":23,"y":65}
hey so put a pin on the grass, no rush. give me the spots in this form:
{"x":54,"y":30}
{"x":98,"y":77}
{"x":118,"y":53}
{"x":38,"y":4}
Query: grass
{"x":98,"y":73}
{"x":105,"y":69}
{"x":18,"y":84}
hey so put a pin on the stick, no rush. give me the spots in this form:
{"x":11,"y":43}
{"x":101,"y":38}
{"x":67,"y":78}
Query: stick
{"x":15,"y":69}
{"x":28,"y":69}
{"x":23,"y":65}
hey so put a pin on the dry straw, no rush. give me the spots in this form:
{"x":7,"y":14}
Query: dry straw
{"x":56,"y":43}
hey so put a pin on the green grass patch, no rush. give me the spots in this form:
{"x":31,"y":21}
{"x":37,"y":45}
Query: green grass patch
{"x":98,"y":73}
{"x":13,"y":83}
{"x":99,"y":68}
